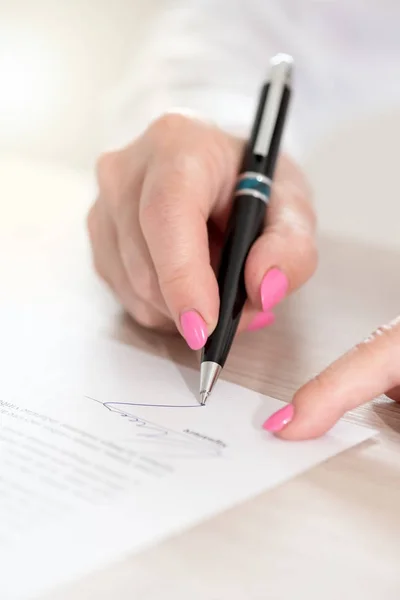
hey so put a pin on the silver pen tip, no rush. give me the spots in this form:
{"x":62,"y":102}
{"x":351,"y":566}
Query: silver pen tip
{"x":209,"y":372}
{"x":204,"y":397}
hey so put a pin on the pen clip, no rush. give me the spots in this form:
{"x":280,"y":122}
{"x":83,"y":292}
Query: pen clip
{"x":280,"y":77}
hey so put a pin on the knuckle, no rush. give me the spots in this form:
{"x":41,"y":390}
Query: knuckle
{"x":190,"y":146}
{"x":169,"y":124}
{"x":193,"y":157}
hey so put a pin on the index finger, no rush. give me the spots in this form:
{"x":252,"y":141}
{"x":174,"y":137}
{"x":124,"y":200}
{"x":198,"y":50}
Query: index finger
{"x":368,"y":370}
{"x":176,"y":201}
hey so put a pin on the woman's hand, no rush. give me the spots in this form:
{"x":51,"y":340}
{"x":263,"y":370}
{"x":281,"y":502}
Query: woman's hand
{"x":157,"y":229}
{"x":368,"y":370}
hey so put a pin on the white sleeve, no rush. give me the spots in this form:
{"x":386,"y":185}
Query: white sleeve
{"x":208,"y":56}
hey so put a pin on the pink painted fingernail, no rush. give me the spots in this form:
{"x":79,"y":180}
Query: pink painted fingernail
{"x":194,"y":329}
{"x":280,"y":419}
{"x":261,"y":320}
{"x":273,"y":288}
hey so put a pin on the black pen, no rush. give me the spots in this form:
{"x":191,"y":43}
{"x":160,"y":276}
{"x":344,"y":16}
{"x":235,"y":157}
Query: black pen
{"x":251,"y":199}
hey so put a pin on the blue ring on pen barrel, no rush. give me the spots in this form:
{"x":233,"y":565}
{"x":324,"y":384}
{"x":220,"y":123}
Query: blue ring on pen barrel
{"x":254,"y":184}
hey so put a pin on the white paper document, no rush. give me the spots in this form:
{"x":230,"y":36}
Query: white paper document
{"x":105,"y":450}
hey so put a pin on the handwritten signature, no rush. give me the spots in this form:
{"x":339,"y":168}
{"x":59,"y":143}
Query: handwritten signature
{"x":156,"y":440}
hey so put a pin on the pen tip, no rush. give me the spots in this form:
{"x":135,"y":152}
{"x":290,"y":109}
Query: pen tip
{"x":204,"y":397}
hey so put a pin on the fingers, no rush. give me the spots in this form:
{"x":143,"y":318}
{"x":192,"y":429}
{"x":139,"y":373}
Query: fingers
{"x":285,"y":256}
{"x":189,"y":178}
{"x":106,"y":258}
{"x":163,"y":194}
{"x":109,"y":265}
{"x":365,"y":372}
{"x":169,"y":181}
{"x":119,"y":248}
{"x":135,"y":255}
{"x":174,"y":208}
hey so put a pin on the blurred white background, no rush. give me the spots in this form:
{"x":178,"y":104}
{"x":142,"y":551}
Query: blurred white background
{"x":58,"y":58}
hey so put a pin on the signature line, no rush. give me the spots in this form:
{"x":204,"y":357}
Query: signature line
{"x":107,"y":404}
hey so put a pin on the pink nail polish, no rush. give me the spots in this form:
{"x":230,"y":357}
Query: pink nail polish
{"x":273,"y":289}
{"x":280,"y":419}
{"x":261,"y":320}
{"x":194,"y":329}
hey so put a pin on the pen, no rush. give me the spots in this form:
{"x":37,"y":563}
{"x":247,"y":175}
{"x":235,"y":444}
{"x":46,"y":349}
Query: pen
{"x":251,"y":199}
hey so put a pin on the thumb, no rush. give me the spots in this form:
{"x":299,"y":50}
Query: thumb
{"x":368,"y":370}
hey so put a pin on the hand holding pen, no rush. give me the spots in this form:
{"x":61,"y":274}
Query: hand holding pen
{"x":157,"y":228}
